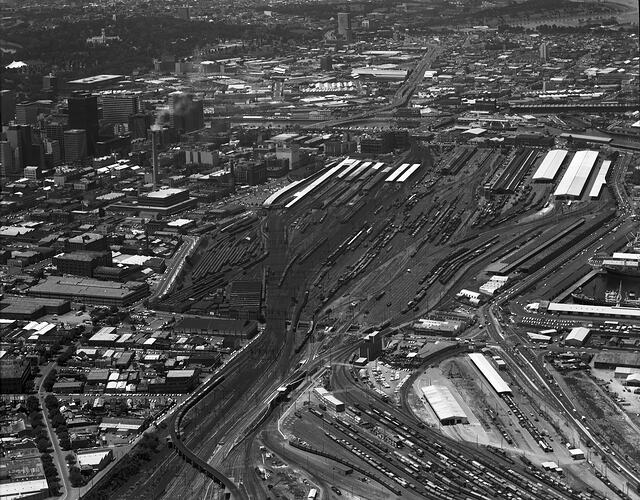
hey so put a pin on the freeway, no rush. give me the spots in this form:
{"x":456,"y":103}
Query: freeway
{"x":400,"y":98}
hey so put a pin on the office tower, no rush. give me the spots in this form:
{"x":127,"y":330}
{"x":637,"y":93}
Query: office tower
{"x":53,"y":152}
{"x":83,"y":114}
{"x":185,"y":114}
{"x":117,"y":108}
{"x":344,"y":24}
{"x":326,"y":63}
{"x":27,"y":113}
{"x":7,"y":106}
{"x":544,"y":51}
{"x":20,"y":138}
{"x":139,"y":124}
{"x":8,"y":171}
{"x":55,"y":132}
{"x":50,"y":83}
{"x":75,"y":145}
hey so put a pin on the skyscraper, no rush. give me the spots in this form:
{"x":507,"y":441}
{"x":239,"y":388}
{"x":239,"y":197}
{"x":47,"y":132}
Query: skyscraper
{"x":75,"y":145}
{"x":344,"y":25}
{"x":544,"y":51}
{"x":8,"y":106}
{"x":83,"y":114}
{"x":27,"y":113}
{"x":117,"y":108}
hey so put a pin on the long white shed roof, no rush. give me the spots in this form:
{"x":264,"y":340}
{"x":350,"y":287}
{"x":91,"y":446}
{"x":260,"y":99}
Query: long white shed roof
{"x":601,"y":179}
{"x":577,"y":174}
{"x":397,"y":172}
{"x":490,"y":373}
{"x":550,"y":165}
{"x":443,"y":403}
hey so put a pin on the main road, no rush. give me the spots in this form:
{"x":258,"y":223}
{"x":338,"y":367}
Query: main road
{"x":400,"y":98}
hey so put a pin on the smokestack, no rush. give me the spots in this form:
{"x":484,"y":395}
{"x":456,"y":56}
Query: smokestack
{"x":154,"y":155}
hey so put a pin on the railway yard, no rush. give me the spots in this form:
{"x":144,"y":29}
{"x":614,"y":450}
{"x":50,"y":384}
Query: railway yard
{"x":369,"y":246}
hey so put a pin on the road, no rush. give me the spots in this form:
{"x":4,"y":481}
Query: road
{"x":400,"y":98}
{"x":58,"y":454}
{"x":176,"y":264}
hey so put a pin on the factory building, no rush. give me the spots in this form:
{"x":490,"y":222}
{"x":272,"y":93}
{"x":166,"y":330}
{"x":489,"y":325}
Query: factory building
{"x":444,"y":405}
{"x":577,"y":337}
{"x":82,"y":263}
{"x":610,"y":360}
{"x":89,"y":291}
{"x":448,"y":327}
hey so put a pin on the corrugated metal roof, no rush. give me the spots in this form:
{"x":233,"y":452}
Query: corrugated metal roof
{"x":489,"y":372}
{"x":443,"y":403}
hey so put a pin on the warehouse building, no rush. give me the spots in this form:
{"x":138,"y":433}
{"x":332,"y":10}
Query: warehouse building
{"x":31,"y":308}
{"x":329,"y":399}
{"x":577,"y":337}
{"x":589,"y":310}
{"x":90,"y":291}
{"x":448,"y":327}
{"x":577,"y":174}
{"x":490,"y":373}
{"x":94,"y":459}
{"x":550,"y":165}
{"x":444,"y":405}
{"x":610,"y":360}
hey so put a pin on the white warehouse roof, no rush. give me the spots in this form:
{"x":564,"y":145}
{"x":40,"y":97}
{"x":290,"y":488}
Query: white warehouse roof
{"x":601,"y":179}
{"x":489,"y":372}
{"x":549,"y":167}
{"x":578,"y":334}
{"x":630,"y":312}
{"x":443,"y":403}
{"x":577,"y":174}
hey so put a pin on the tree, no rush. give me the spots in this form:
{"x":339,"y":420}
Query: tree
{"x":32,"y":404}
{"x":51,"y":402}
{"x":43,"y":445}
{"x":76,"y":477}
{"x":71,"y":459}
{"x":58,"y":420}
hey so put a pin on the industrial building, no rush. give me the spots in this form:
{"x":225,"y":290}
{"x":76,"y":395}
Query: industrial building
{"x":589,"y":310}
{"x":444,"y":405}
{"x":494,"y":284}
{"x":448,"y":327}
{"x":94,"y":459}
{"x":577,"y":337}
{"x":490,"y":373}
{"x":577,"y":174}
{"x":610,"y":360}
{"x":371,"y":348}
{"x":327,"y":398}
{"x":601,"y":179}
{"x":550,"y":165}
{"x":163,"y":202}
{"x":90,"y":291}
